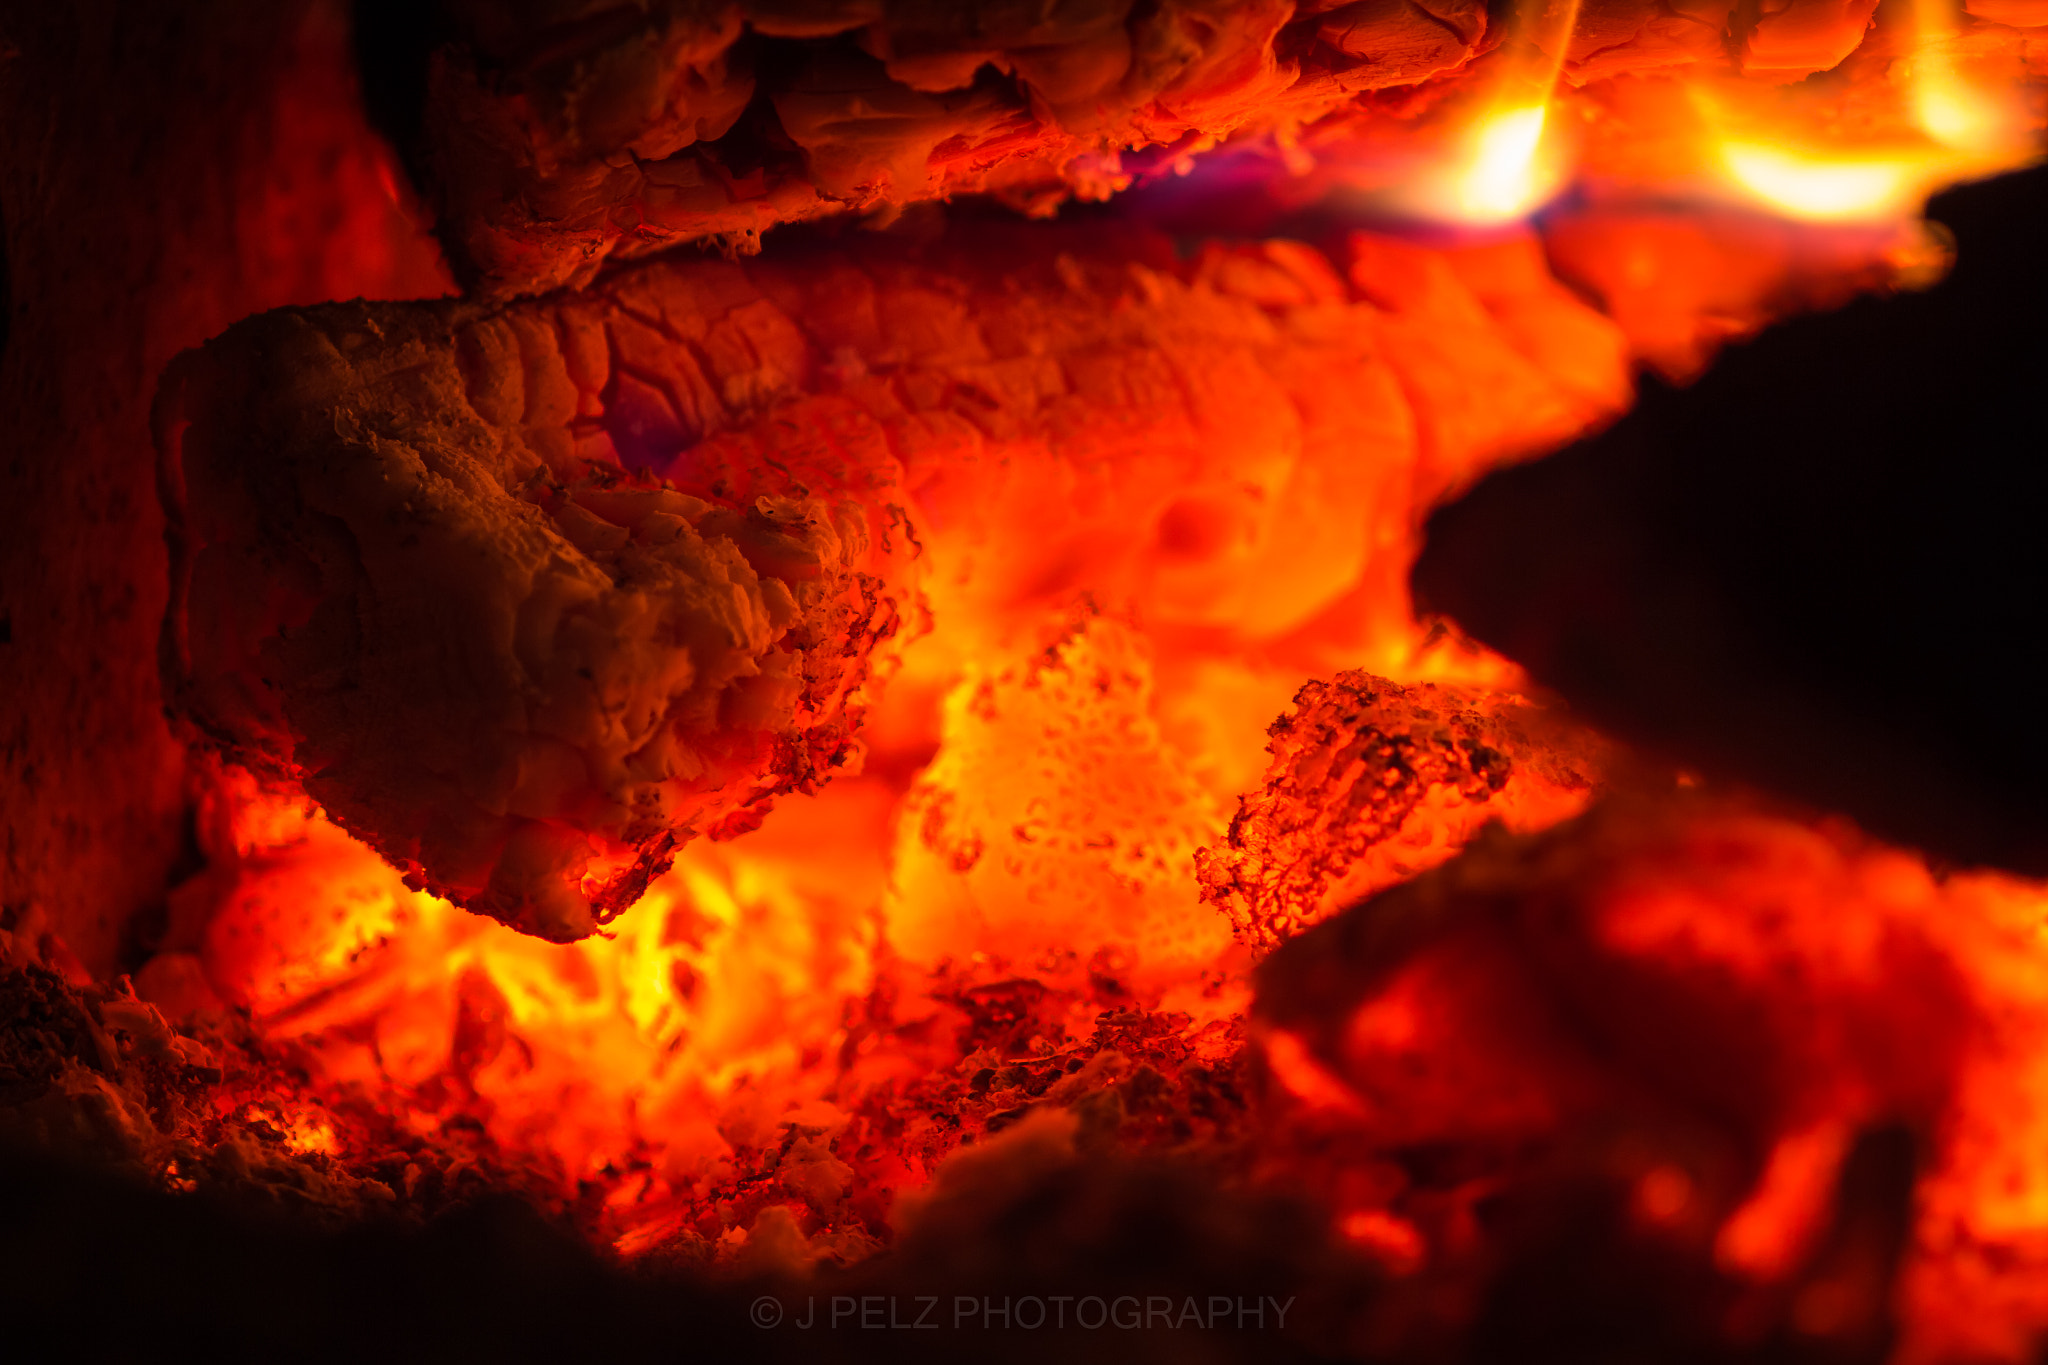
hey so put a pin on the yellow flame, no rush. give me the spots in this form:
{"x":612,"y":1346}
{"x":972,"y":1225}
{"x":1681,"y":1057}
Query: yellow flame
{"x":1950,"y":108}
{"x":1954,"y":115}
{"x":1966,"y":124}
{"x":1503,"y":180}
{"x":1825,"y":189}
{"x":1505,"y":169}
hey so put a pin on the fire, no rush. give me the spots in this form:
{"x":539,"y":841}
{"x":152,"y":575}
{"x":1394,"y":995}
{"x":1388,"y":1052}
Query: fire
{"x":1823,"y":188}
{"x":1504,"y":168}
{"x":1077,"y":725}
{"x":731,"y":975}
{"x":1044,"y":839}
{"x":1504,"y":179}
{"x":1948,"y":110}
{"x":1781,"y":989}
{"x":1960,"y":112}
{"x":1930,"y":99}
{"x":1125,"y":591}
{"x":1127,"y":820}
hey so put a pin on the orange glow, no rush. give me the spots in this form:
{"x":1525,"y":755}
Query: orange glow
{"x":730,"y":970}
{"x":1826,"y":189}
{"x":1800,"y":983}
{"x":1505,"y":178}
{"x":1124,"y":592}
{"x":1077,"y":724}
{"x":1968,"y":115}
{"x":1948,"y":110}
{"x":1503,"y":168}
{"x":1120,"y":605}
{"x":1056,"y":817}
{"x":310,"y":1135}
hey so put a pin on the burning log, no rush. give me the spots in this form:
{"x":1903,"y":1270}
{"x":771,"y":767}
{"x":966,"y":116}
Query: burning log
{"x":417,"y":572}
{"x":529,"y":593}
{"x":1818,"y":568}
{"x":552,"y":139}
{"x":1611,"y":1242}
{"x":1699,"y":1006}
{"x":499,"y":659}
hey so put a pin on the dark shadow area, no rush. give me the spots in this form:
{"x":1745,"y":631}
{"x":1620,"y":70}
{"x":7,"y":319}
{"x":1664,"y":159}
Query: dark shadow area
{"x":394,"y":42}
{"x":1823,"y":568}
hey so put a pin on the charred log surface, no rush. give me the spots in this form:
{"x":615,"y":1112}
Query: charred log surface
{"x":1572,"y":926}
{"x":1579,"y":1280}
{"x":1032,"y":1250}
{"x":553,"y":135}
{"x":1682,"y":1077}
{"x":1820,"y":569}
{"x":118,"y":1272}
{"x":1583,"y":1250}
{"x":1138,"y":1081}
{"x":406,"y":574}
{"x":1041,"y":1211}
{"x":1354,"y":763}
{"x":550,"y":136}
{"x":417,"y":571}
{"x":202,"y":1103}
{"x":93,"y":1075}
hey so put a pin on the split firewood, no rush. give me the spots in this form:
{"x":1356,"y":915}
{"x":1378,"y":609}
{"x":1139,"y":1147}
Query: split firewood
{"x":555,"y":135}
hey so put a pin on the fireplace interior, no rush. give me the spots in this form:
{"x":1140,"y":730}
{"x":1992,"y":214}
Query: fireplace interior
{"x":1182,"y":680}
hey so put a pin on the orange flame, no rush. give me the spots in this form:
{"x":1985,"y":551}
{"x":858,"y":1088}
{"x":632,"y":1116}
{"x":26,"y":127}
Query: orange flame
{"x":1967,"y":115}
{"x":1958,"y":117}
{"x":1504,"y":168}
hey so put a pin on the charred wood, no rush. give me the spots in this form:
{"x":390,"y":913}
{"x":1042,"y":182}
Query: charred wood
{"x":1819,"y":568}
{"x":1372,"y":782}
{"x":524,"y":594}
{"x":552,"y":136}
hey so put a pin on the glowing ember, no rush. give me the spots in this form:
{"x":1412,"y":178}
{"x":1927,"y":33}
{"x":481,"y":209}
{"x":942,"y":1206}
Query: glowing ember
{"x":1130,"y":496}
{"x":1043,"y":772}
{"x":1718,"y":1002}
{"x":1151,"y":495}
